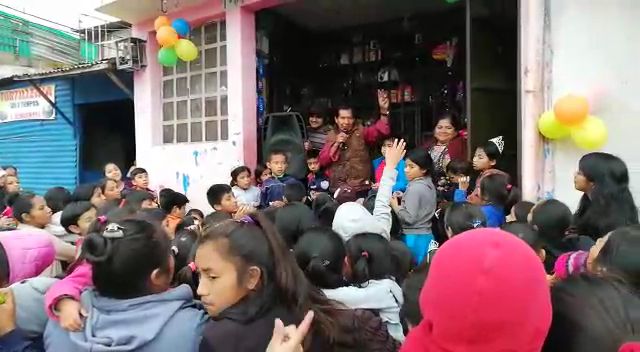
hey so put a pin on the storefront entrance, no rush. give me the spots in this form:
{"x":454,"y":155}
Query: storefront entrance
{"x":431,"y":55}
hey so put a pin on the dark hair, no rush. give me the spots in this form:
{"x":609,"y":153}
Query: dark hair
{"x":197,"y":212}
{"x":318,"y":110}
{"x":236,"y":172}
{"x":461,"y":217}
{"x":396,"y":227}
{"x":277,"y":152}
{"x":320,"y":254}
{"x":108,"y":206}
{"x":153,"y":215}
{"x":135,"y":199}
{"x":103,"y":183}
{"x":57,"y":198}
{"x":294,"y":192}
{"x":491,"y":150}
{"x":259,"y":244}
{"x":411,"y":289}
{"x":459,"y":167}
{"x":84,"y":192}
{"x":173,"y":199}
{"x":344,"y":104}
{"x":452,"y":117}
{"x":182,"y":246}
{"x":185,"y":224}
{"x":552,"y":218}
{"x":215,"y":218}
{"x":138,"y":171}
{"x":72,"y":212}
{"x":324,"y":207}
{"x":526,"y":233}
{"x":122,"y":265}
{"x":21,"y":203}
{"x":592,"y":314}
{"x":521,"y":210}
{"x":216,"y":193}
{"x":370,"y":258}
{"x":421,"y":157}
{"x":293,"y":220}
{"x":257,"y":173}
{"x":619,"y":255}
{"x":163,"y":193}
{"x":313,"y":154}
{"x":610,"y":205}
{"x":496,"y":189}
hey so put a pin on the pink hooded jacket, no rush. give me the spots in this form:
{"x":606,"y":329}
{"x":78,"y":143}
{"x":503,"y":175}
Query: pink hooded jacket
{"x":71,"y":286}
{"x":28,"y":253}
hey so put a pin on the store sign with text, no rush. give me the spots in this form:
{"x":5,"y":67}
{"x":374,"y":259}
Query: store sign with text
{"x":27,"y":104}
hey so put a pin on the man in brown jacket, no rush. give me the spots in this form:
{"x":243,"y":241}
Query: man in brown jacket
{"x":345,"y":154}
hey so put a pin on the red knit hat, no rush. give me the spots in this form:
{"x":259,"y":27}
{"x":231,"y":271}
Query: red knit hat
{"x":486,"y":291}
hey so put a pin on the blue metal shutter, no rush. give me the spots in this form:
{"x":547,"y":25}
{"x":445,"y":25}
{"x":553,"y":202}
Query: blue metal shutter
{"x":45,"y":152}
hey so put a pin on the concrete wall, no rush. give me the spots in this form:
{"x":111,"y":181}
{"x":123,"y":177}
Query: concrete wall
{"x":595,"y":52}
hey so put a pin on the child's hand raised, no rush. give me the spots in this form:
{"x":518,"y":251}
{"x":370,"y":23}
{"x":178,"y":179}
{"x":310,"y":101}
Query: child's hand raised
{"x":289,"y":338}
{"x":463,"y":183}
{"x":70,"y":314}
{"x":395,"y":153}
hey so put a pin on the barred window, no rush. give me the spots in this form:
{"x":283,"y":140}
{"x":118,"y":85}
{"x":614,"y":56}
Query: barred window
{"x":194,"y":94}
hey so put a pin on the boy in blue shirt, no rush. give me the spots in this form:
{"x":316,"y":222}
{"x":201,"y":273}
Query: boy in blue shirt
{"x":273,"y":188}
{"x":379,"y":164}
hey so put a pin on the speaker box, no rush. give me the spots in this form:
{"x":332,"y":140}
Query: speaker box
{"x":286,"y":131}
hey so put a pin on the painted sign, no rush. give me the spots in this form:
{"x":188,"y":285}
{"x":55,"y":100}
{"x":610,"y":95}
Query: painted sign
{"x":27,"y":104}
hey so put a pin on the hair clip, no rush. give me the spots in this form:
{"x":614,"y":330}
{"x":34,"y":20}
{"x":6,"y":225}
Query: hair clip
{"x":102,"y":219}
{"x":365,"y":254}
{"x":476,"y":223}
{"x":498,"y":142}
{"x":174,"y":250}
{"x":325,"y":262}
{"x":113,"y":231}
{"x":192,"y":266}
{"x":509,"y":187}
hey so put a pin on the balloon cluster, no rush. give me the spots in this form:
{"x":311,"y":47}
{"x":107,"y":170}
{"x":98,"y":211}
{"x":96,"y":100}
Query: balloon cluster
{"x":172,"y":37}
{"x":570,"y":117}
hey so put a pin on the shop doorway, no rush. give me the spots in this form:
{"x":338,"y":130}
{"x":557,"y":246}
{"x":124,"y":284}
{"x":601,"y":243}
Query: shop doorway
{"x":319,"y":52}
{"x":108,"y":135}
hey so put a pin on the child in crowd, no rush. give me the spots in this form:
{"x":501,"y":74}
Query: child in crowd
{"x":462,"y":217}
{"x":197,"y":215}
{"x":294,"y":218}
{"x":456,"y":171}
{"x":418,"y":204}
{"x":140,"y":181}
{"x":380,"y":163}
{"x":316,"y":130}
{"x":221,"y":199}
{"x":261,"y":174}
{"x":497,"y":195}
{"x":317,"y":180}
{"x":89,"y":192}
{"x":174,"y":205}
{"x":112,"y":172}
{"x":320,"y":253}
{"x":527,"y":233}
{"x":243,"y":189}
{"x":57,"y":198}
{"x":110,"y":190}
{"x":261,"y":281}
{"x":520,"y":212}
{"x":273,"y":188}
{"x":485,"y":161}
{"x":137,"y":200}
{"x":76,"y":219}
{"x":132,"y":306}
{"x":473,"y":297}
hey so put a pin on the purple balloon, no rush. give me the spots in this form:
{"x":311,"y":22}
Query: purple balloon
{"x":181,"y":26}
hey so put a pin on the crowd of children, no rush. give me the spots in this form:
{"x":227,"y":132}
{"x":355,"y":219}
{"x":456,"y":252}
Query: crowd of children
{"x":440,"y":254}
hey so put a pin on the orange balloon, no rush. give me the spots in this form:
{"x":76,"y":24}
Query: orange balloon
{"x":166,"y":36}
{"x":161,"y":21}
{"x":571,"y":110}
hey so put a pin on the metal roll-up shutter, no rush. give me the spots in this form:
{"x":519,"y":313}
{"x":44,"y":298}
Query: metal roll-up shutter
{"x":45,"y":152}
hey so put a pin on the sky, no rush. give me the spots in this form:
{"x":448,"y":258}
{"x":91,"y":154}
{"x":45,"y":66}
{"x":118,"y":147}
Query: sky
{"x":68,"y":13}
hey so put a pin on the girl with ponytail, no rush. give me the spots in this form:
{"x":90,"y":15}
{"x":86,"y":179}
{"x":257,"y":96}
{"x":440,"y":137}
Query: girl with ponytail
{"x":248,"y":278}
{"x":130,"y":265}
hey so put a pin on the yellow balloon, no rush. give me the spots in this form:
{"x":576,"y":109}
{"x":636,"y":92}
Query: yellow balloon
{"x":551,"y":128}
{"x":591,"y":134}
{"x":186,"y":50}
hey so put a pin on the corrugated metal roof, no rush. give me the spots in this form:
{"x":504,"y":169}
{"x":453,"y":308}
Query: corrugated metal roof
{"x":68,"y":70}
{"x":45,"y":152}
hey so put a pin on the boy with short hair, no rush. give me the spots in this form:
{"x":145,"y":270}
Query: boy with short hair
{"x":380,"y":163}
{"x":273,"y":188}
{"x":137,"y":200}
{"x":317,"y":180}
{"x":77,"y":217}
{"x":174,"y":204}
{"x":221,"y":199}
{"x":140,"y":181}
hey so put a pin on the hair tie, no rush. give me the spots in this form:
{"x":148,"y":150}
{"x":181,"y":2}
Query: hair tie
{"x":509,"y":187}
{"x":102,"y":219}
{"x":192,"y":266}
{"x":365,"y":254}
{"x":113,"y":231}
